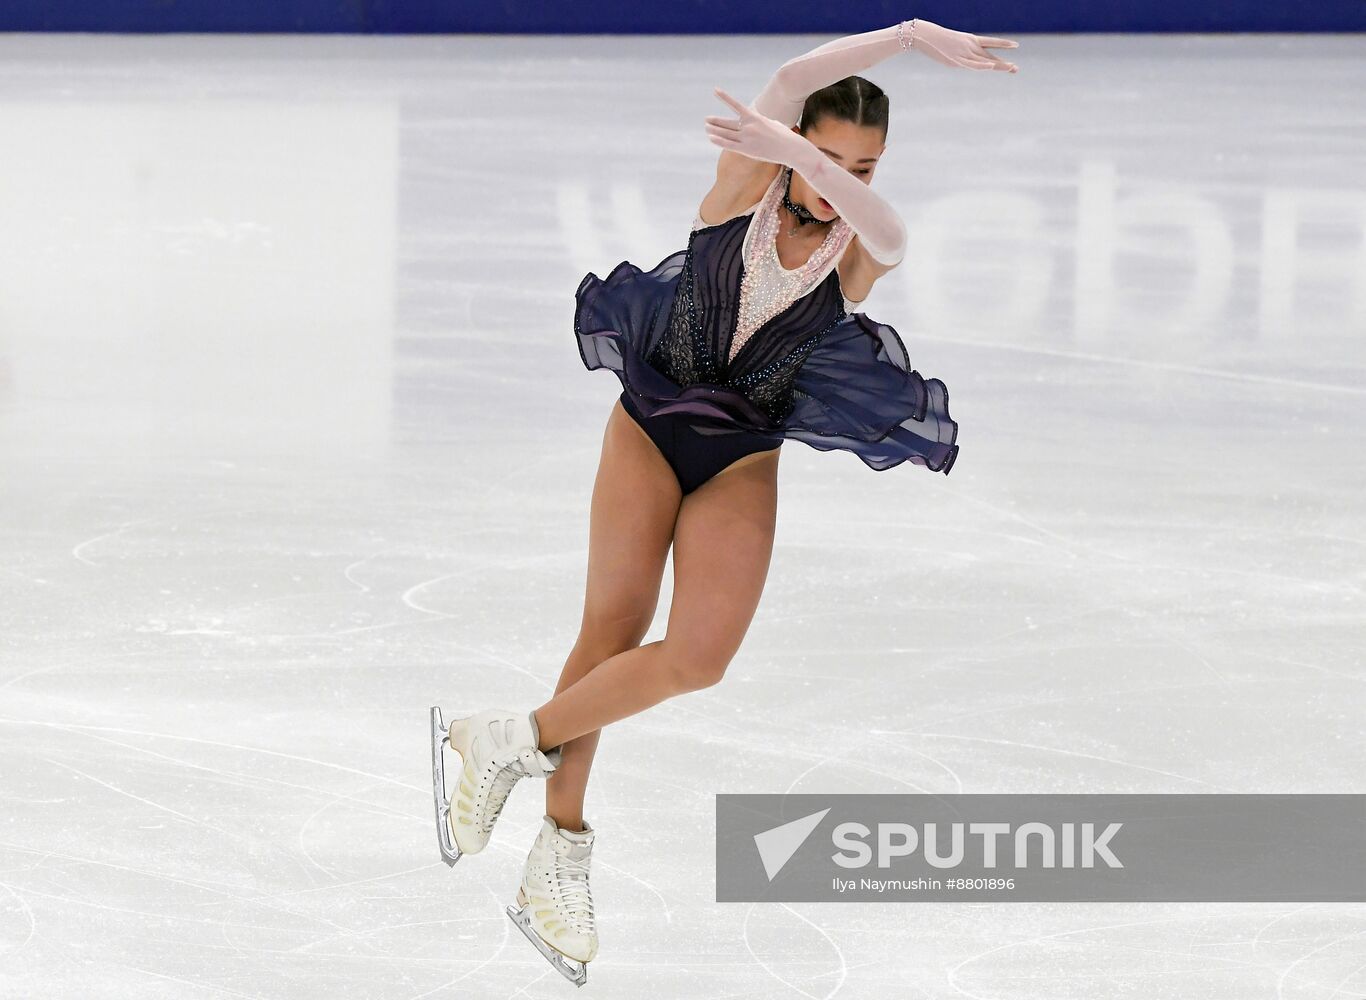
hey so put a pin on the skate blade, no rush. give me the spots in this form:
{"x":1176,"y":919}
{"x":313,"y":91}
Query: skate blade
{"x":450,"y":852}
{"x":575,"y":971}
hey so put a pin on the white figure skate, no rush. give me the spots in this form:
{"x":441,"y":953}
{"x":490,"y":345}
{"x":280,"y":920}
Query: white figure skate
{"x":554,"y":905}
{"x":497,"y":748}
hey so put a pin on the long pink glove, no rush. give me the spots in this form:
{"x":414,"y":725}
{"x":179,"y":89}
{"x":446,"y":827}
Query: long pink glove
{"x":880,"y":229}
{"x":797,"y":79}
{"x":759,"y":137}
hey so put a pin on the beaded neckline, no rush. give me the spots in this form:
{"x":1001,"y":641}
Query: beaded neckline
{"x":766,"y":287}
{"x":830,"y":236}
{"x":767,"y":222}
{"x":793,"y":270}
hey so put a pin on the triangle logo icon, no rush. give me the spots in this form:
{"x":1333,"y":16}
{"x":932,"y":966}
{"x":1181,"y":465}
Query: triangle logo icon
{"x":776,"y":846}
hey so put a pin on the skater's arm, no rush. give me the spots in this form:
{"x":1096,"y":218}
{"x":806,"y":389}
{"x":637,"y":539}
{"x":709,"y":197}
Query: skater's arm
{"x":740,"y":179}
{"x":785,"y":94}
{"x":879,"y":228}
{"x":782,"y":99}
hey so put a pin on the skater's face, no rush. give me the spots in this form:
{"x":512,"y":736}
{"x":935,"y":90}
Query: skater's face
{"x":856,"y":148}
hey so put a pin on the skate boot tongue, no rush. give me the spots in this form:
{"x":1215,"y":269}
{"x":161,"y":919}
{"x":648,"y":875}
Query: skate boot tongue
{"x":576,"y":852}
{"x":579,"y":850}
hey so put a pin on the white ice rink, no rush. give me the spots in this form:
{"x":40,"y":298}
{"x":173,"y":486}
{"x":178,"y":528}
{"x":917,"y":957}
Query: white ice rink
{"x":295,"y":442}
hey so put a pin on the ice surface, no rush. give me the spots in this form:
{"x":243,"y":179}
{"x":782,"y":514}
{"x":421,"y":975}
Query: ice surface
{"x":295,"y":442}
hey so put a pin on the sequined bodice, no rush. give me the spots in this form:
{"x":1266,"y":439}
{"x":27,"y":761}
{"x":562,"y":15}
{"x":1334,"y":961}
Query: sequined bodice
{"x":767,"y":288}
{"x":735,"y":301}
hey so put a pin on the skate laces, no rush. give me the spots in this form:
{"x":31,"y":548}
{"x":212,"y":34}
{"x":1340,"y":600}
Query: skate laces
{"x":498,"y":794}
{"x":573,"y":874}
{"x":510,"y":771}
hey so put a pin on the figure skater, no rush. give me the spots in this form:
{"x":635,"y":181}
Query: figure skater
{"x":746,"y":338}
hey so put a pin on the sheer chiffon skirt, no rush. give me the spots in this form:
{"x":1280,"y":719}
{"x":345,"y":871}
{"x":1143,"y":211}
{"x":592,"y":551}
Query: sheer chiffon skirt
{"x":855,"y":392}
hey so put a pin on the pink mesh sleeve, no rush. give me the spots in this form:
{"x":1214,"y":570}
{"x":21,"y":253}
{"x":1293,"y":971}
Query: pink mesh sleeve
{"x":797,"y":79}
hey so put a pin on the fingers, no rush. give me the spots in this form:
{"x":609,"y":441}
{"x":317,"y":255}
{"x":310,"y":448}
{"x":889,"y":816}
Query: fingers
{"x":1001,"y":64}
{"x":975,"y":58}
{"x":734,"y":148}
{"x":722,"y":137}
{"x":980,"y":58}
{"x":736,"y":105}
{"x":733,"y":124}
{"x":731,"y":146}
{"x":984,"y":42}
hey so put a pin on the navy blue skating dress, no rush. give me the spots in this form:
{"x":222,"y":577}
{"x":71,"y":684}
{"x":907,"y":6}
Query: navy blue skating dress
{"x":722,"y":335}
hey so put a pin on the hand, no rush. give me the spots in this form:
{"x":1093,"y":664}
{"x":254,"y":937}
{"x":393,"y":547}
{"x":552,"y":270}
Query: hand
{"x":958,"y":48}
{"x":755,"y":135}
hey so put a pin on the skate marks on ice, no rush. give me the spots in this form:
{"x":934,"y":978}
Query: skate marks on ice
{"x":1150,"y":505}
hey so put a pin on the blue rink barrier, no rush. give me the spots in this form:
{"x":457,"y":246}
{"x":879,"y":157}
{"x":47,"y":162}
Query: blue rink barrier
{"x":678,"y":17}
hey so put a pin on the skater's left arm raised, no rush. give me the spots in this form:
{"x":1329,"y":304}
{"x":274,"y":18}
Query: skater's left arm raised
{"x":797,"y":79}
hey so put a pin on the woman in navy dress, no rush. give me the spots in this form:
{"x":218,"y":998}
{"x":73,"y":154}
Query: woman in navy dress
{"x":748,"y":337}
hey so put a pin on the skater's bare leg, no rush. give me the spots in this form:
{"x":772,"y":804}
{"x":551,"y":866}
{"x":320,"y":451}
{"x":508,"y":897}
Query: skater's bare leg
{"x":631,"y":524}
{"x":723,"y":542}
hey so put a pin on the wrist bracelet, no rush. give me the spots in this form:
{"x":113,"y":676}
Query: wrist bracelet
{"x":901,"y":34}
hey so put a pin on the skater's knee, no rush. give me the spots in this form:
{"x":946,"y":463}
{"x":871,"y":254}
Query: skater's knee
{"x":694,"y":666}
{"x":605,"y":633}
{"x":590,"y":650}
{"x":602,"y":638}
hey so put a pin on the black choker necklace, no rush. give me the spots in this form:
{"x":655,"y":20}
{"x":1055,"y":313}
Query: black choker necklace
{"x":803,"y":216}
